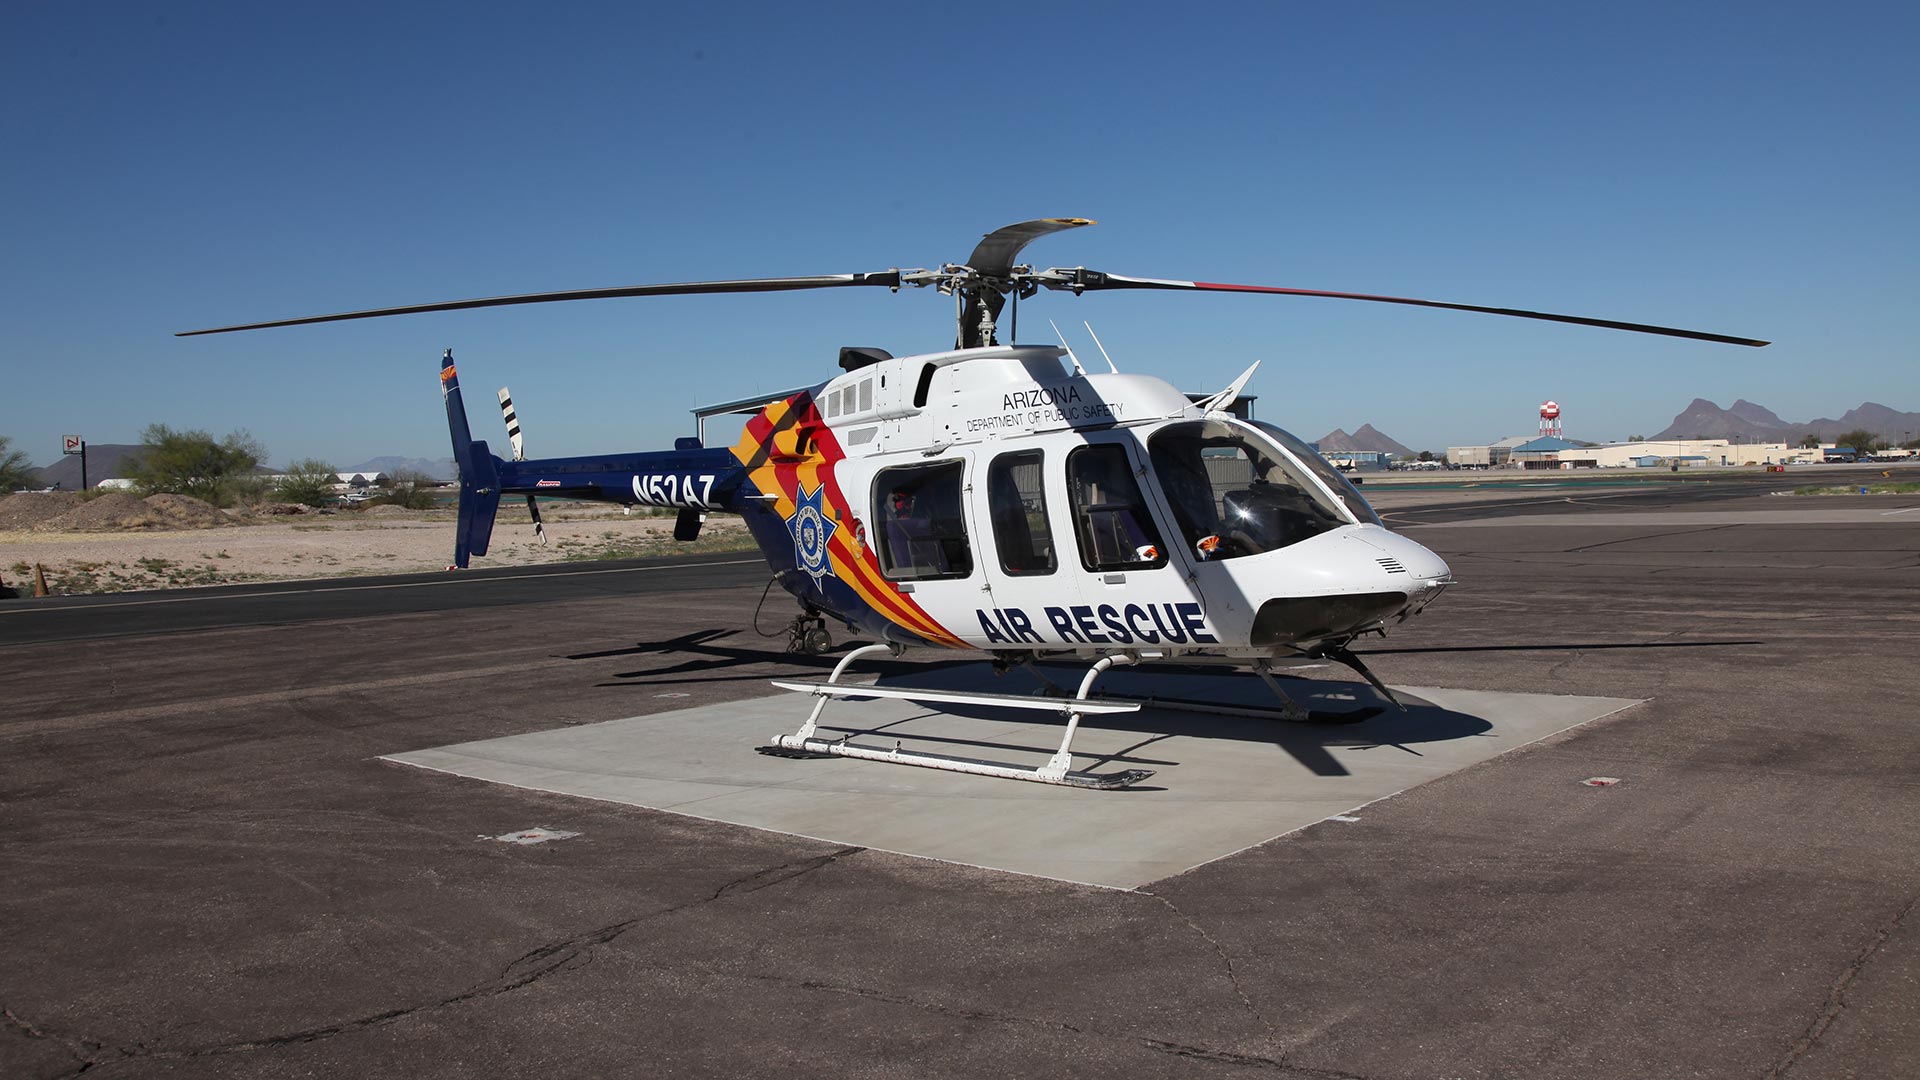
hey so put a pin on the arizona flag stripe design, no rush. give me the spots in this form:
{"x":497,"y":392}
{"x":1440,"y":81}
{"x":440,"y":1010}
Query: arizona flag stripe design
{"x":853,"y":564}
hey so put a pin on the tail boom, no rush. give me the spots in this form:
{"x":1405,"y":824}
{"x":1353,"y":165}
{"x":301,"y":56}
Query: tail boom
{"x":688,"y":477}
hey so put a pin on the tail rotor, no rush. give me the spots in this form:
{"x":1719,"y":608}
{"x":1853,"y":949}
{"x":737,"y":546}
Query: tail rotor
{"x":512,"y":418}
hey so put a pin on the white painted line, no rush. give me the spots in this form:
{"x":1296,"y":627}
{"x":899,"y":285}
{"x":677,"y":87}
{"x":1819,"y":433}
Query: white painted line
{"x":1343,"y":817}
{"x":539,"y":834}
{"x":1908,"y":510}
{"x":368,"y":588}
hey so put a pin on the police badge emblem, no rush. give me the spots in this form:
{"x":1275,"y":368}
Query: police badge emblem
{"x":811,"y":531}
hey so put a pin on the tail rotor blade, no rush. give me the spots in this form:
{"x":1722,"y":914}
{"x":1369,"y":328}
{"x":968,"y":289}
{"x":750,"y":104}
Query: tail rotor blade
{"x":513,"y":425}
{"x":512,"y":418}
{"x":539,"y":527}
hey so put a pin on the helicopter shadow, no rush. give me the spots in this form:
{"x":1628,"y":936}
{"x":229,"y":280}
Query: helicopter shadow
{"x":1341,"y":715}
{"x":709,"y":661}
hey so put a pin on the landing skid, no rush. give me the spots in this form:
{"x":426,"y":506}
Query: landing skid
{"x":1058,"y":769}
{"x":808,"y":743}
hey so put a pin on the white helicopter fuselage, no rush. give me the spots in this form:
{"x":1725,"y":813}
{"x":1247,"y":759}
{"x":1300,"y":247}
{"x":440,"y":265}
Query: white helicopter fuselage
{"x":994,"y":498}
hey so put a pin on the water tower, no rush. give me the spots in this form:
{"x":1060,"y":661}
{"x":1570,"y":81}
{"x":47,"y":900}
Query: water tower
{"x":1550,"y":419}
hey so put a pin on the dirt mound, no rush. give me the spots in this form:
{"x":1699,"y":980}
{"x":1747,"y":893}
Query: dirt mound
{"x":279,"y":509}
{"x":186,"y":512}
{"x":386,"y":510}
{"x":31,"y":509}
{"x":107,"y":513}
{"x":114,"y":511}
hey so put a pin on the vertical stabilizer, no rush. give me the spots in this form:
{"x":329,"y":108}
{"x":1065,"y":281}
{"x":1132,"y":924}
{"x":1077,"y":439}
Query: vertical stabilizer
{"x":479,"y":473}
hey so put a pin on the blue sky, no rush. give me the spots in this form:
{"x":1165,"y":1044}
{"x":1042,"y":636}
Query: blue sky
{"x":1744,"y":169}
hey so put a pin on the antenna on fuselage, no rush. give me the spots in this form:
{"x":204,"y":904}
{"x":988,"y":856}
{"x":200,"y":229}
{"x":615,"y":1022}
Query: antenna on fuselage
{"x":1077,"y":369}
{"x":1227,"y":397}
{"x":1102,"y":348}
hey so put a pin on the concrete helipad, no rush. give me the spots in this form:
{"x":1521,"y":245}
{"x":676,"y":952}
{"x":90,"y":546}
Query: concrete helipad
{"x":1220,"y":783}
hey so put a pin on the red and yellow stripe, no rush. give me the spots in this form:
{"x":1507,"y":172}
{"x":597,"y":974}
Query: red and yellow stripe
{"x":852,"y":562}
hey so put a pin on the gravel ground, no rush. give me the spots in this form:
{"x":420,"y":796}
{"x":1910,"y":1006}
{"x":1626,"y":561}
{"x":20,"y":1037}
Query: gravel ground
{"x":331,"y":545}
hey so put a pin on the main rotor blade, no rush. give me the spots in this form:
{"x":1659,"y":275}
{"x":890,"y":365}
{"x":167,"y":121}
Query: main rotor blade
{"x":1078,"y":279}
{"x":993,"y":256}
{"x":889,"y":279}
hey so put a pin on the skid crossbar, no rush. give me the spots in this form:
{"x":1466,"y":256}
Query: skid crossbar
{"x":1057,"y":770}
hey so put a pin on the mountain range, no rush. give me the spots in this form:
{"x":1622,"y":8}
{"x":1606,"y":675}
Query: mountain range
{"x":103,"y":460}
{"x":431,"y":468}
{"x":1367,"y":437}
{"x":1747,"y":422}
{"x":106,"y":460}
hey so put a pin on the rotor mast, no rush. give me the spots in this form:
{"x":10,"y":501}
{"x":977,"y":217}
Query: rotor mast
{"x":989,"y":275}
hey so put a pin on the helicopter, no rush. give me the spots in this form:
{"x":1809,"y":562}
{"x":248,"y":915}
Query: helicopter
{"x":1003,"y":497}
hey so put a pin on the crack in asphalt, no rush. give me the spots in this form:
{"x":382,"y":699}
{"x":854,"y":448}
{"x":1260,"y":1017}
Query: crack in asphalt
{"x":957,"y":1012}
{"x":1181,"y":1050}
{"x":83,"y":1051}
{"x":1201,"y":1053}
{"x":1226,"y":960}
{"x":528,"y":968}
{"x":1837,"y":994}
{"x":1651,"y":536}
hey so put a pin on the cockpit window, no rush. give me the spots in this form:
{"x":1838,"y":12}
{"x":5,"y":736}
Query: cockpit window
{"x":1233,"y":494}
{"x":1322,"y":468}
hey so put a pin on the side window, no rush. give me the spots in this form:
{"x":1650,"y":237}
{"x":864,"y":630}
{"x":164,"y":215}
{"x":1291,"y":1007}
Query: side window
{"x":1110,"y":517}
{"x":923,"y":531}
{"x":1017,"y":504}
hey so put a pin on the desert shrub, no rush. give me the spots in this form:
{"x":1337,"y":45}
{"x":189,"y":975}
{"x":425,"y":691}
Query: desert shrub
{"x":15,"y":470}
{"x":194,"y":463}
{"x":409,"y":489}
{"x":308,"y":481}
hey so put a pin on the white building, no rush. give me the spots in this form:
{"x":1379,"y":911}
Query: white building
{"x":1645,"y":454}
{"x":1488,"y":456}
{"x":1686,"y":453}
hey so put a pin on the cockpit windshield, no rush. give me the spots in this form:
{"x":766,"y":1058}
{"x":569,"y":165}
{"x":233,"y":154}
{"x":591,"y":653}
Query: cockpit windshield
{"x":1234,"y":493}
{"x":1343,"y":488}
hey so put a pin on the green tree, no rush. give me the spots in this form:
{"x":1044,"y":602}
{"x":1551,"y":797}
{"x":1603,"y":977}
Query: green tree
{"x":194,"y":463}
{"x":410,"y":489}
{"x":1810,"y":442}
{"x":1426,"y":455}
{"x":309,"y":481}
{"x":15,"y":470}
{"x":1862,"y":440}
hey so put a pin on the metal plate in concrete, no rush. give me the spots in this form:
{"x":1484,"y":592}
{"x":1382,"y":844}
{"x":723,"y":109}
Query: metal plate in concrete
{"x":1220,"y":783}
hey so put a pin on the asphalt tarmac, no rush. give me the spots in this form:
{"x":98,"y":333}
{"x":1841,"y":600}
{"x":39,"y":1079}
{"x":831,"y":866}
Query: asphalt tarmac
{"x":207,"y":871}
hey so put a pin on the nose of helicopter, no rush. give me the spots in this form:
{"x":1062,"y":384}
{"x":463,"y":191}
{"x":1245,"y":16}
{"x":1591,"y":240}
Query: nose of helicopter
{"x":1400,"y":556}
{"x":1397,"y":577}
